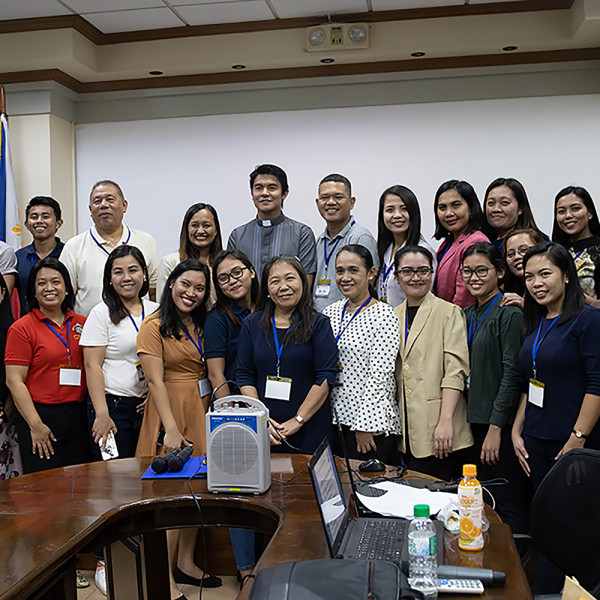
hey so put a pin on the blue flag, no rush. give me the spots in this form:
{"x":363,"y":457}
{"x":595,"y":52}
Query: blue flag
{"x":11,"y":228}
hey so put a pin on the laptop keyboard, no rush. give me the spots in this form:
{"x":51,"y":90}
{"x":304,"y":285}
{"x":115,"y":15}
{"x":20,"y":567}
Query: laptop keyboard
{"x":381,"y":539}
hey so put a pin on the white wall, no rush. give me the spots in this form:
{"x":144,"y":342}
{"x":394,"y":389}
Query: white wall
{"x":165,"y":165}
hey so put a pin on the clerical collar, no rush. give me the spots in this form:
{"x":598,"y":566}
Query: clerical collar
{"x":269,"y":223}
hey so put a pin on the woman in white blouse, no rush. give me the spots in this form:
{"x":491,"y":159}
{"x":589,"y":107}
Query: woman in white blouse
{"x":368,"y":336}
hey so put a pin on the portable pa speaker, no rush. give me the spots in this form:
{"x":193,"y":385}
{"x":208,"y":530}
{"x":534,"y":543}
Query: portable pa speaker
{"x":238,"y":452}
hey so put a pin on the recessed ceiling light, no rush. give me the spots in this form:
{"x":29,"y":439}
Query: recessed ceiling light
{"x":155,"y":72}
{"x":417,"y":54}
{"x":327,"y":61}
{"x":357,"y":34}
{"x":509,"y":48}
{"x":238,"y":67}
{"x":316,"y":37}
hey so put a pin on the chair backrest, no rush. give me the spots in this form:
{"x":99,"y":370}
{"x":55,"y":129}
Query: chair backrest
{"x":565,"y":516}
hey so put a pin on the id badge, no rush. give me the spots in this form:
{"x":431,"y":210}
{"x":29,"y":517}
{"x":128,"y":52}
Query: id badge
{"x":139,"y":371}
{"x":536,"y":393}
{"x":205,"y":387}
{"x":69,"y":376}
{"x":323,"y":288}
{"x":278,"y":388}
{"x":111,"y":447}
{"x":339,"y":378}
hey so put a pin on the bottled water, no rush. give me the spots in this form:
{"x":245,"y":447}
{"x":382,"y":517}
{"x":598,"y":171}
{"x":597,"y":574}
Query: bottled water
{"x":422,"y":553}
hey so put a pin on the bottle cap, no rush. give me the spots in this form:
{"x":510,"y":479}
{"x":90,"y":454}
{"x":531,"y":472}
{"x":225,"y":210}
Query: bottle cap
{"x":421,"y":510}
{"x":469,"y":471}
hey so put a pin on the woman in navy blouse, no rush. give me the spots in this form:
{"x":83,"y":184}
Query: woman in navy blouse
{"x":287,"y":358}
{"x":559,"y":362}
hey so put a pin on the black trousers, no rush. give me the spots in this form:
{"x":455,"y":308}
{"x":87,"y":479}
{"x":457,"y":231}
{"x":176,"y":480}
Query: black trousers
{"x":68,"y":423}
{"x":514,"y":498}
{"x":387,"y":447}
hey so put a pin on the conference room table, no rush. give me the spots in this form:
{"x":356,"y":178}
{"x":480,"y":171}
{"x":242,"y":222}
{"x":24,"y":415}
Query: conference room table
{"x":47,"y":518}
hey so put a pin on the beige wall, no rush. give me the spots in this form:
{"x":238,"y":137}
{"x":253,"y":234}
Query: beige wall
{"x":43,"y":157}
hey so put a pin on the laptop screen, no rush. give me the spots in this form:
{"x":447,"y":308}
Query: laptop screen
{"x":330,"y":495}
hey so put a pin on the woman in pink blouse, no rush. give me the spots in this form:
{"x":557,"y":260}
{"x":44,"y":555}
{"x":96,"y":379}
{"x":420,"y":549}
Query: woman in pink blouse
{"x":459,"y":221}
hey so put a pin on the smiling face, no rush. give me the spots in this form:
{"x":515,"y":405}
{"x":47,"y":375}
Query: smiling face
{"x":516,"y":248}
{"x":42,"y":223}
{"x":573,"y":217}
{"x":267,"y":196}
{"x":453,"y":212}
{"x":284,"y":286}
{"x":107,"y":207}
{"x":239,"y":279}
{"x":480,"y":277}
{"x":334,"y":203}
{"x":50,"y":289}
{"x":202,"y":229}
{"x":545,"y":282}
{"x":352,"y":277}
{"x":127,"y":277}
{"x":414,"y":276}
{"x":395,"y":216}
{"x":188,"y":291}
{"x":502,"y":209}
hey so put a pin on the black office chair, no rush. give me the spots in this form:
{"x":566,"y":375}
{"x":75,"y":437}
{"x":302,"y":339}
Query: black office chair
{"x":565,"y":517}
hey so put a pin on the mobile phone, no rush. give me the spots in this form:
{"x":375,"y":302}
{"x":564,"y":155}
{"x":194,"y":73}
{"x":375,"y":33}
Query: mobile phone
{"x":160,"y":438}
{"x":110,"y":451}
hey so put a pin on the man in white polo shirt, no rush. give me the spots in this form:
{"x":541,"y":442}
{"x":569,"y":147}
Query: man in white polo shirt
{"x":85,"y":255}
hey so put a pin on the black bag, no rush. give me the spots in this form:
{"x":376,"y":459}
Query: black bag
{"x":329,"y":578}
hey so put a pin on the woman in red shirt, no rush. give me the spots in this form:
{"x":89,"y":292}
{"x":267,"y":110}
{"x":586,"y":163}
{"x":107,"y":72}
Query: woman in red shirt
{"x":44,"y":372}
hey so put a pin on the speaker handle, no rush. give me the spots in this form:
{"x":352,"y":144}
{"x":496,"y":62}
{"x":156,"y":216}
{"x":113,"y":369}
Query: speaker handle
{"x":211,"y":404}
{"x":253,"y":402}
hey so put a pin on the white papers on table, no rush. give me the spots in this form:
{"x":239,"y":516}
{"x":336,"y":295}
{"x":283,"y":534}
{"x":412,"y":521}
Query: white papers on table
{"x":399,"y":500}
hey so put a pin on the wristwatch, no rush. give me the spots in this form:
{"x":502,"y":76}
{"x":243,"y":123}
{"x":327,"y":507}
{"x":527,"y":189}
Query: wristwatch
{"x":579,"y":434}
{"x":299,"y":419}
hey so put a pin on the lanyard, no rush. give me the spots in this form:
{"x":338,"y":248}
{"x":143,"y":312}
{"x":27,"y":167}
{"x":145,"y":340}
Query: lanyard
{"x":341,"y":331}
{"x":500,"y":245}
{"x":143,"y":316}
{"x":328,"y":256}
{"x":406,"y":327}
{"x":441,"y":258}
{"x":278,"y":348}
{"x":198,"y":344}
{"x":472,"y":331}
{"x":537,"y":344}
{"x":102,"y":247}
{"x":385,"y":273}
{"x":60,"y":337}
{"x":576,"y":257}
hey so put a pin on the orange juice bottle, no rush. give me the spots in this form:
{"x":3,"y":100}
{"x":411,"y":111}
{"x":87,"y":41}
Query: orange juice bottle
{"x":470,"y":502}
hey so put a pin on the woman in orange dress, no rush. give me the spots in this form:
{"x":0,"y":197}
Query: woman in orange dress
{"x":171,"y":352}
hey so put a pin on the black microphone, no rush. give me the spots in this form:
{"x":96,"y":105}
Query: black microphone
{"x":161,"y":463}
{"x":176,"y":462}
{"x":486,"y":576}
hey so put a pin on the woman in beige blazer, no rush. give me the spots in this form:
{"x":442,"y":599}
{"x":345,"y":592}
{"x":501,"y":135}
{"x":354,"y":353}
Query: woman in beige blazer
{"x":431,"y":370}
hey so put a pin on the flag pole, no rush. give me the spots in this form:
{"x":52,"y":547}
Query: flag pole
{"x":2,"y":101}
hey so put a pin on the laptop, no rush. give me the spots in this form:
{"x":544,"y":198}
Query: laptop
{"x":363,"y":537}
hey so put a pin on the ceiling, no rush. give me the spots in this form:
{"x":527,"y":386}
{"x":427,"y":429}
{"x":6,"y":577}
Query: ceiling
{"x":112,"y":16}
{"x":115,"y":45}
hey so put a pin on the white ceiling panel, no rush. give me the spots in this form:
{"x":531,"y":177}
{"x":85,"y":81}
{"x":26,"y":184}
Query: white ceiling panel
{"x":287,"y":9}
{"x":188,"y":2}
{"x":91,"y":6}
{"x":225,"y":12}
{"x":28,"y":9}
{"x":134,"y":20}
{"x":404,"y":4}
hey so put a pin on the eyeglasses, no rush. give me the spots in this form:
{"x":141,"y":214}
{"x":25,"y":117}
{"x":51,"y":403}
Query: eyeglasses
{"x":235,"y":273}
{"x":481,"y":272}
{"x":521,"y":251}
{"x":408,"y":273}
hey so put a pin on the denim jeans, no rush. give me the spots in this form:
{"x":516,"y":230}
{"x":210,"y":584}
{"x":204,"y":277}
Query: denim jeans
{"x":242,"y":541}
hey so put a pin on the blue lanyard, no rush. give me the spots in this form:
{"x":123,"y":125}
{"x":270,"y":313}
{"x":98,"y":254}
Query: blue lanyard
{"x":102,"y":247}
{"x":278,"y":348}
{"x":143,"y":316}
{"x":341,"y":331}
{"x":60,"y":337}
{"x":406,"y":327}
{"x":500,"y":245}
{"x":328,"y":256}
{"x":579,"y":254}
{"x":198,"y":344}
{"x":472,"y":332}
{"x":441,"y":258}
{"x":386,"y":272}
{"x":537,"y":344}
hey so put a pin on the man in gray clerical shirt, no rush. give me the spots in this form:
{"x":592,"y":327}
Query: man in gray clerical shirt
{"x":272,"y":233}
{"x":335,"y":204}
